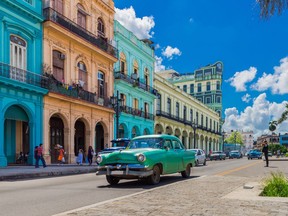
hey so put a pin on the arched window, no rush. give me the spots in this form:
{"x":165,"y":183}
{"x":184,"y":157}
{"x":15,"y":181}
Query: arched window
{"x":101,"y":28}
{"x":82,"y":75}
{"x":135,"y":70}
{"x":101,"y":84}
{"x":58,"y":65}
{"x":81,"y":16}
{"x":123,"y":63}
{"x":146,"y":75}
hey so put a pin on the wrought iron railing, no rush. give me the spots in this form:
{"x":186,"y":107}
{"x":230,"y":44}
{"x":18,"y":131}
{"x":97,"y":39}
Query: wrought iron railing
{"x":22,"y":76}
{"x":135,"y":82}
{"x":137,"y":112}
{"x":184,"y":121}
{"x":52,"y":15}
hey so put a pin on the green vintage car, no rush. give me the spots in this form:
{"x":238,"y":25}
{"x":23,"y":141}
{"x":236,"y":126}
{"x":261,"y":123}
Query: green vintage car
{"x":147,"y":157}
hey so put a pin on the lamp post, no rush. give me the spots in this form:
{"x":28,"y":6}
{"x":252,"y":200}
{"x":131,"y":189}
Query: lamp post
{"x":194,"y":126}
{"x":223,"y":136}
{"x":235,"y":140}
{"x":115,"y":101}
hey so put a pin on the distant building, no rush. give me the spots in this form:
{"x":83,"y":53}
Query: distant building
{"x":270,"y":138}
{"x":248,"y":138}
{"x":283,"y":139}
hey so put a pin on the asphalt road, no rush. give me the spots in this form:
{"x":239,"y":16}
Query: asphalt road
{"x":55,"y":195}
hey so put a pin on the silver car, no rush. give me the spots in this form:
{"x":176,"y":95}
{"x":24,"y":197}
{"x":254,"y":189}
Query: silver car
{"x":200,"y":156}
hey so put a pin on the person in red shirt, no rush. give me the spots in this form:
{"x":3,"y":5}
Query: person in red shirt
{"x":40,"y":156}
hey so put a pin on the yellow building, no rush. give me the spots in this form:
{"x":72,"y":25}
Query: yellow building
{"x":182,"y":115}
{"x":78,"y":61}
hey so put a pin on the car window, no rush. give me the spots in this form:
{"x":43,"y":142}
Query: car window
{"x":146,"y":143}
{"x":177,"y":145}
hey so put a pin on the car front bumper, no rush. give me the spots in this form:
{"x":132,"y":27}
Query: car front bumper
{"x":121,"y":170}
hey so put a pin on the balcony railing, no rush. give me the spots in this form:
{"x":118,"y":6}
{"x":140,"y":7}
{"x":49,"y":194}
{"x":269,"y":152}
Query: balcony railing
{"x":184,"y":121}
{"x":135,"y":82}
{"x":52,"y":15}
{"x":75,"y":91}
{"x":137,"y":112}
{"x":22,"y":76}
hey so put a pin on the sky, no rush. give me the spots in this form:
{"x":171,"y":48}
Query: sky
{"x":189,"y":34}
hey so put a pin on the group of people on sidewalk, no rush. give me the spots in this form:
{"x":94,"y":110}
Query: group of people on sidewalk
{"x":81,"y":157}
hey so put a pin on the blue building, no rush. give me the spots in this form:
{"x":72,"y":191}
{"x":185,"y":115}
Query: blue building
{"x":21,"y":92}
{"x":283,"y":139}
{"x":133,"y":82}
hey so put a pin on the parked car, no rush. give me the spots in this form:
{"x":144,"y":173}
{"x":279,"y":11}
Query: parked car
{"x":235,"y":154}
{"x":269,"y":154}
{"x":116,"y":145}
{"x":147,"y":157}
{"x":200,"y":156}
{"x":217,"y":155}
{"x":254,"y":153}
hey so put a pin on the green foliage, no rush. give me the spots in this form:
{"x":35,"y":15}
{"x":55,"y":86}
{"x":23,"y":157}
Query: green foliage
{"x":235,"y":137}
{"x":269,"y":7}
{"x":284,"y":115}
{"x":273,"y":125}
{"x":275,"y":186}
{"x":274,"y":147}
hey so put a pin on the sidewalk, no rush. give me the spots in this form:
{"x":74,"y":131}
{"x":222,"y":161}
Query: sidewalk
{"x":28,"y":172}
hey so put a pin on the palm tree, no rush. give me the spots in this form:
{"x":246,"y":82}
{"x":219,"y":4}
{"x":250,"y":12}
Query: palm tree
{"x":272,"y":125}
{"x":284,"y":115}
{"x":269,"y":7}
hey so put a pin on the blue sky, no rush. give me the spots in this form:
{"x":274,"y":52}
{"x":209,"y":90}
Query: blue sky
{"x":189,"y":34}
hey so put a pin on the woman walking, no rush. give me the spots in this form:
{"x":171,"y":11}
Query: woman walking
{"x":90,"y":155}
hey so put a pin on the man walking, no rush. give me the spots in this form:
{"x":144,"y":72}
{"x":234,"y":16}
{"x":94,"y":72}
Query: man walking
{"x":40,"y":156}
{"x":265,"y":151}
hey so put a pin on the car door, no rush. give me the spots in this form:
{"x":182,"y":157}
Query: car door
{"x":201,"y":156}
{"x":180,"y":151}
{"x":171,"y":159}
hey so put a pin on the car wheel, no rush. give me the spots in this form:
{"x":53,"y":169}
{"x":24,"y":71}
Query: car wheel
{"x":196,"y":163}
{"x":155,"y":177}
{"x":204,"y":162}
{"x":112,"y":180}
{"x":186,"y":173}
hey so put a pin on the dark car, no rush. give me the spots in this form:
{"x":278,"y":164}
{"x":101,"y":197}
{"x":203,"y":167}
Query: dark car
{"x":116,"y":145}
{"x":218,"y":155}
{"x":254,"y":153}
{"x":235,"y":154}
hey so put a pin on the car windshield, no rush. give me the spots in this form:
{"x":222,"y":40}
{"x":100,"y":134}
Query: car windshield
{"x":146,"y":143}
{"x":122,"y":143}
{"x":217,"y":152}
{"x":234,"y":152}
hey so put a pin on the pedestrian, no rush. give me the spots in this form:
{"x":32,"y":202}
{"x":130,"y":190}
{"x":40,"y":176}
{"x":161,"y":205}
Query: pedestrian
{"x":265,"y":151}
{"x":61,"y":158}
{"x":80,"y":157}
{"x":40,"y":156}
{"x":90,"y":155}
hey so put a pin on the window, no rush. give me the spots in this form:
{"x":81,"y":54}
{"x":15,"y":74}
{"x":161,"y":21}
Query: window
{"x":218,"y":85}
{"x":135,"y":103}
{"x":185,"y":113}
{"x":158,"y":103}
{"x":206,"y":122}
{"x":191,"y":115}
{"x":135,"y":70}
{"x":208,"y":86}
{"x":199,"y":87}
{"x":57,"y":5}
{"x":82,"y":75}
{"x":122,"y":63}
{"x":28,"y":1}
{"x":58,"y":65}
{"x":146,"y":76}
{"x":202,"y":119}
{"x":101,"y":84}
{"x":169,"y":106}
{"x":177,"y":110}
{"x":100,"y":28}
{"x":81,"y":16}
{"x":191,"y":88}
{"x":18,"y":58}
{"x":208,"y":100}
{"x":146,"y":109}
{"x":210,"y":123}
{"x":218,"y":99}
{"x":196,"y":117}
{"x":185,"y":88}
{"x":123,"y":99}
{"x":177,"y":145}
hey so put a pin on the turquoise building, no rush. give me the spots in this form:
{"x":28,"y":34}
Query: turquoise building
{"x":134,"y":92}
{"x":21,"y":83}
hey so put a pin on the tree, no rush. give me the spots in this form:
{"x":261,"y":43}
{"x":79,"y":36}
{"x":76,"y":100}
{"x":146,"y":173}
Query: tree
{"x":284,"y":115}
{"x":272,"y":125}
{"x":269,"y":7}
{"x":234,"y":138}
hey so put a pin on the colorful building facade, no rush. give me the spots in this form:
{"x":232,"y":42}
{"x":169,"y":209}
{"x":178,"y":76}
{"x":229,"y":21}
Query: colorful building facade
{"x":180,"y":114}
{"x":78,"y":61}
{"x":133,"y":85}
{"x":21,"y":85}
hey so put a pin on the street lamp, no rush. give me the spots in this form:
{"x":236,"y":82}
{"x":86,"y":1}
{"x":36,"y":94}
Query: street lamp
{"x":116,"y":103}
{"x":223,"y":137}
{"x":194,"y":125}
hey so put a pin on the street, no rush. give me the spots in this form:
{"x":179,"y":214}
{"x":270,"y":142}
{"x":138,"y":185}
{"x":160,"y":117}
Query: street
{"x":55,"y":195}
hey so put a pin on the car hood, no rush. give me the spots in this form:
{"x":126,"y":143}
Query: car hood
{"x":127,"y":155}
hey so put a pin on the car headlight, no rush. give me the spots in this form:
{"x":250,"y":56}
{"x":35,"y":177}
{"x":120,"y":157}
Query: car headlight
{"x":99,"y":159}
{"x":141,"y":158}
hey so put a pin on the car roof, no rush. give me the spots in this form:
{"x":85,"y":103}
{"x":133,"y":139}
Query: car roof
{"x":156,"y":136}
{"x":120,"y":140}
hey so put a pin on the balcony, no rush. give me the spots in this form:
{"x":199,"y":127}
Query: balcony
{"x":53,"y":16}
{"x":75,"y":91}
{"x":135,"y":82}
{"x":22,"y":76}
{"x":137,"y":112}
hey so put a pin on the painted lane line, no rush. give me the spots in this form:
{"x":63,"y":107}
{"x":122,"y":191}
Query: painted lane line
{"x":237,"y":169}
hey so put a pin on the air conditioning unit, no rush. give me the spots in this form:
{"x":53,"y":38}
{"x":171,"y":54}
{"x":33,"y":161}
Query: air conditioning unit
{"x":62,"y":56}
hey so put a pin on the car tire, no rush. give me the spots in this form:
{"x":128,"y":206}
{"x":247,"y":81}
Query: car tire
{"x":204,"y":164}
{"x":112,"y":180}
{"x":155,"y":177}
{"x":186,"y":173}
{"x":196,"y":163}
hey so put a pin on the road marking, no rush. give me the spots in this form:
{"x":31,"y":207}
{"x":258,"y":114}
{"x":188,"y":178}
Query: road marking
{"x":237,"y":169}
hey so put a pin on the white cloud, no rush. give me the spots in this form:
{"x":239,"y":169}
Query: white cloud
{"x":169,"y":52}
{"x":240,"y":79}
{"x":158,"y":64}
{"x":256,"y":117}
{"x":141,"y":27}
{"x":246,"y":98}
{"x":277,"y":81}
